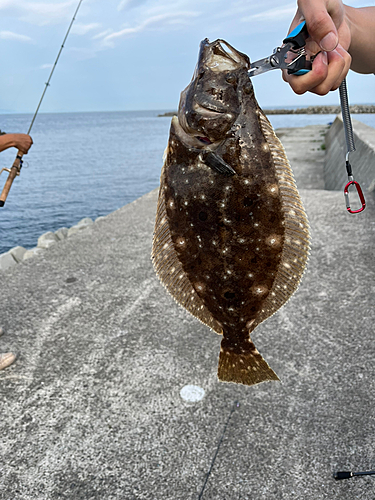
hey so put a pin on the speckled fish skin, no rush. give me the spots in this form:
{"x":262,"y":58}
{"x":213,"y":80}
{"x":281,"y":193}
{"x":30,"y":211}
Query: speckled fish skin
{"x":231,"y":236}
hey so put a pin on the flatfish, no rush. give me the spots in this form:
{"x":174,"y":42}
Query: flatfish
{"x":231,"y":237}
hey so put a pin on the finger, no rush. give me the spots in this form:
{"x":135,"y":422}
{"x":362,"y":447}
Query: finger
{"x":336,"y":68}
{"x":347,"y":62}
{"x":322,"y":20}
{"x":315,"y":77}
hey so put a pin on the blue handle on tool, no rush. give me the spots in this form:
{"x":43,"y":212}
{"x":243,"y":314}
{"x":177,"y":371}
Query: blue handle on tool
{"x":298,"y":36}
{"x":301,"y":72}
{"x":298,"y":39}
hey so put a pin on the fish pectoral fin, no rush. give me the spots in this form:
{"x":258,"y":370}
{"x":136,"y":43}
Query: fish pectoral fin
{"x":247,"y":368}
{"x":218,"y":164}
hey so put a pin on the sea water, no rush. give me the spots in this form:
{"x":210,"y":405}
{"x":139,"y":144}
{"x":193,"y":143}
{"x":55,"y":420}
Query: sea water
{"x":90,"y":164}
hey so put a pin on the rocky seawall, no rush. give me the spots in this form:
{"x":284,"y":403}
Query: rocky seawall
{"x":311,"y":110}
{"x":17,"y":254}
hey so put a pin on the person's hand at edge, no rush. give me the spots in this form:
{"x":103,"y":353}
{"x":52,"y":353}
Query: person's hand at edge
{"x":330,"y":35}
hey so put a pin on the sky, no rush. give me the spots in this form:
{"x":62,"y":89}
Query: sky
{"x":139,"y":54}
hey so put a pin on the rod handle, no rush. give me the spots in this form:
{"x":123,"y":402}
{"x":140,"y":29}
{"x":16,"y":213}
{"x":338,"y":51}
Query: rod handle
{"x":342,"y":475}
{"x":14,"y":171}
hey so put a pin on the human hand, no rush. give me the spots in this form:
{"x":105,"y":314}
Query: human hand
{"x":22,"y":142}
{"x":330,"y":35}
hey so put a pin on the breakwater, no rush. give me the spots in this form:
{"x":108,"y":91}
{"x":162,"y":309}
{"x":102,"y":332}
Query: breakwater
{"x":310,"y":110}
{"x":362,"y":159}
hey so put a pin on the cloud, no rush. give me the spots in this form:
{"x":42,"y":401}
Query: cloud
{"x":39,"y":13}
{"x":6,"y":3}
{"x":268,"y":15}
{"x":153,"y":22}
{"x":129,"y":4}
{"x":82,"y":29}
{"x":9,"y":35}
{"x":102,"y":34}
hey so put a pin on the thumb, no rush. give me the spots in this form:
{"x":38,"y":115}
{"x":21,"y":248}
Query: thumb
{"x":321,"y":25}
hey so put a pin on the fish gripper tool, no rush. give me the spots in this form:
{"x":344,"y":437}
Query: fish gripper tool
{"x":350,"y":146}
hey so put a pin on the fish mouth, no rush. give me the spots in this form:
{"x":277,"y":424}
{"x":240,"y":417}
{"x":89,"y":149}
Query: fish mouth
{"x":209,"y":109}
{"x":220,"y":56}
{"x":204,"y":140}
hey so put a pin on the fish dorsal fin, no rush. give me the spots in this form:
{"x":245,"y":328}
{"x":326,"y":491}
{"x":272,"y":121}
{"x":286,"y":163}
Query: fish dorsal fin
{"x":169,"y":268}
{"x":296,"y":245}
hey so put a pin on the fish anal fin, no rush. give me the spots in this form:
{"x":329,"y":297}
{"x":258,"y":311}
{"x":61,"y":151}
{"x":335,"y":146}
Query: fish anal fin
{"x":248,"y":368}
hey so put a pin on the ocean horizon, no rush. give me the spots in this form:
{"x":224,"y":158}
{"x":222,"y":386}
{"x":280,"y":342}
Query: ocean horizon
{"x":89,"y":164}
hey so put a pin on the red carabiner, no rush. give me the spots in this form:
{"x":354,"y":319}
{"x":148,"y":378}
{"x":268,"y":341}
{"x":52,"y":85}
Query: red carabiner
{"x":360,"y":194}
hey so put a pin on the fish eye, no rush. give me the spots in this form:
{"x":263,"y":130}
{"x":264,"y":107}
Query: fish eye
{"x":231,"y":78}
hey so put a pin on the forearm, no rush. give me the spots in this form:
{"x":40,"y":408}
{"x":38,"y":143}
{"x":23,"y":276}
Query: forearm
{"x":22,"y":142}
{"x":361,"y":22}
{"x":7,"y":141}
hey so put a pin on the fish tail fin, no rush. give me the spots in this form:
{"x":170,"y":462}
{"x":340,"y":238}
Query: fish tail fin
{"x":247,"y":367}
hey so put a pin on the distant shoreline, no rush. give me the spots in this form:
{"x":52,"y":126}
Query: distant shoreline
{"x":310,"y":110}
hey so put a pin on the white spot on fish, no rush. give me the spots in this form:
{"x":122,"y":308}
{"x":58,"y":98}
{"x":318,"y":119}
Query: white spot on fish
{"x":274,"y":240}
{"x":259,"y":290}
{"x":273,"y":189}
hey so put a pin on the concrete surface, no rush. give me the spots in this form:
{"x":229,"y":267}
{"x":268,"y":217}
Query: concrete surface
{"x":92,"y":408}
{"x":362,"y":160}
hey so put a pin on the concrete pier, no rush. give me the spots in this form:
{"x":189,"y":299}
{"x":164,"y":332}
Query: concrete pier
{"x":362,"y":159}
{"x":92,"y":408}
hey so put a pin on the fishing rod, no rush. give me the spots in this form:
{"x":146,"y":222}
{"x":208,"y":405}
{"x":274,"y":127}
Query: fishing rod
{"x":15,"y":170}
{"x":348,"y":474}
